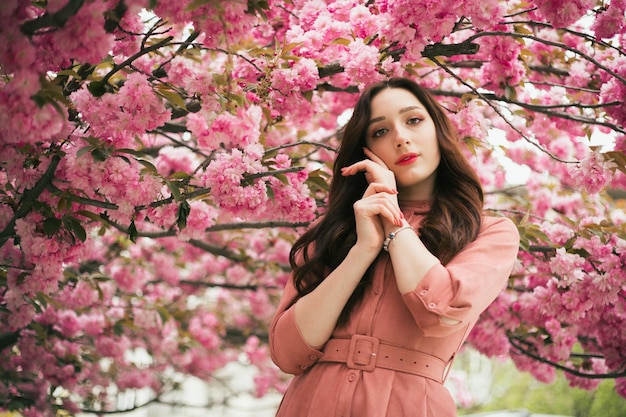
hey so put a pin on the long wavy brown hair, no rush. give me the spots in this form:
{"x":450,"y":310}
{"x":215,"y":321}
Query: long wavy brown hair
{"x":453,"y":221}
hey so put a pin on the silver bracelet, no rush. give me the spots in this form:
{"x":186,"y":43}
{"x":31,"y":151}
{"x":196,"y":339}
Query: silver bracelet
{"x":392,"y":236}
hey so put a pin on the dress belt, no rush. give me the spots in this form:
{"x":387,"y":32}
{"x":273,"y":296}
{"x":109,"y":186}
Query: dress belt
{"x":367,"y":353}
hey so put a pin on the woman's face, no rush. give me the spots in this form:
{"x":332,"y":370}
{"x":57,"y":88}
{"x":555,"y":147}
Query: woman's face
{"x":402,"y":134}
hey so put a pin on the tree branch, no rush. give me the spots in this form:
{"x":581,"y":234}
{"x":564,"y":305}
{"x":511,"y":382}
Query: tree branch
{"x":551,"y":43}
{"x":56,"y":20}
{"x":546,"y":109}
{"x":28,"y":199}
{"x":452,"y":49}
{"x":498,"y":112}
{"x":523,"y":351}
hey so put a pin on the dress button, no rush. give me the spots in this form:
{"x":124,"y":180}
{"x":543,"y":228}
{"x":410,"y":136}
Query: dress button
{"x":303,"y":366}
{"x":423,"y":292}
{"x":313,"y":357}
{"x":432,"y":305}
{"x":351,"y":378}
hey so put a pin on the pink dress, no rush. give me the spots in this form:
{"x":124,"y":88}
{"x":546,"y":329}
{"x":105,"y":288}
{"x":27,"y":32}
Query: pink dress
{"x":392,"y":358}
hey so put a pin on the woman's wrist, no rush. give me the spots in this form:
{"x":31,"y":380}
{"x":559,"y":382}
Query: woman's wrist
{"x":367,"y":251}
{"x":390,"y":239}
{"x":389,"y":227}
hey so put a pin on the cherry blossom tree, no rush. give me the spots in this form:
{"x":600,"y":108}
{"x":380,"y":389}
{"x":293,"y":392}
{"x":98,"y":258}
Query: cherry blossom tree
{"x":159,"y":158}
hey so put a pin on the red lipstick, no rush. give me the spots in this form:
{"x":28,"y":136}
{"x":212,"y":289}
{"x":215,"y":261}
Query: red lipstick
{"x":407,"y":158}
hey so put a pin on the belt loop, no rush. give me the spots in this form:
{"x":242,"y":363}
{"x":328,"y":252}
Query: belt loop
{"x":363,"y":352}
{"x":447,"y":368}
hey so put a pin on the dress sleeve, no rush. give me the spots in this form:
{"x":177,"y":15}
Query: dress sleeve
{"x":465,"y":287}
{"x":288,"y":349}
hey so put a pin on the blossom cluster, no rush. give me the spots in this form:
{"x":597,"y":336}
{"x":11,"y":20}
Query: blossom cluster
{"x":158,"y":160}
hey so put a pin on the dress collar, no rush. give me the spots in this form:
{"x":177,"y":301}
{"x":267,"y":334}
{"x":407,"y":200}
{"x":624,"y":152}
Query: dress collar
{"x":415,"y":206}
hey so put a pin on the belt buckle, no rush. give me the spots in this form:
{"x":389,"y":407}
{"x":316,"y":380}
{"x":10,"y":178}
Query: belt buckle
{"x":362,"y":353}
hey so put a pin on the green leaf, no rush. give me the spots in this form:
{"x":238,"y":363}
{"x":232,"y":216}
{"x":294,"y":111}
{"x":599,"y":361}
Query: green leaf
{"x":69,"y":72}
{"x":132,"y":152}
{"x":132,"y":232}
{"x":173,"y":186}
{"x":173,"y":97}
{"x":320,"y":182}
{"x":183,"y":212}
{"x":153,"y":170}
{"x":90,"y":215}
{"x":618,"y":158}
{"x":74,"y":225}
{"x":51,"y":225}
{"x":179,"y":175}
{"x":282,"y":178}
{"x":163,"y":313}
{"x":43,"y":299}
{"x":97,"y":88}
{"x":195,"y":4}
{"x":99,"y":155}
{"x":341,"y":41}
{"x":270,"y":192}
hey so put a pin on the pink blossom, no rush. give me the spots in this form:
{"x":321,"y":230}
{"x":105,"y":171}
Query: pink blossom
{"x":563,"y":12}
{"x":593,"y":173}
{"x":201,"y":216}
{"x":610,"y":21}
{"x":302,"y":76}
{"x":503,"y":68}
{"x":83,"y":36}
{"x":594,"y":366}
{"x":117,"y":118}
{"x":92,"y":324}
{"x":129,"y":279}
{"x":234,"y":131}
{"x":542,"y":371}
{"x":470,"y":121}
{"x":567,"y":267}
{"x":203,"y":327}
{"x":255,"y":352}
{"x":359,"y":62}
{"x":112,"y":347}
{"x":132,"y":378}
{"x":225,"y":177}
{"x":559,"y":234}
{"x":363,"y":23}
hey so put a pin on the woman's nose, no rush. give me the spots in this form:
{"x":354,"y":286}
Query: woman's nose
{"x":401,"y":140}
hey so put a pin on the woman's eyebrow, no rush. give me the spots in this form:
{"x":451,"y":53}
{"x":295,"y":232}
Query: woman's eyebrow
{"x":406,"y":109}
{"x":377,"y":119}
{"x":403,"y":110}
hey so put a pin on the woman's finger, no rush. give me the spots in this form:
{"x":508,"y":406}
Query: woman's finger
{"x":380,"y":204}
{"x":364,"y":165}
{"x":377,"y":187}
{"x":373,"y":172}
{"x":371,"y":155}
{"x":378,"y":211}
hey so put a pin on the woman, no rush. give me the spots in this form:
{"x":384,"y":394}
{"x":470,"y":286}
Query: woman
{"x":388,"y":284}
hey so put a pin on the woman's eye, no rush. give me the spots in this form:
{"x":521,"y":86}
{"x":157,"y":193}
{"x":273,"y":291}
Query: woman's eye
{"x":414,"y":120}
{"x":378,"y":133}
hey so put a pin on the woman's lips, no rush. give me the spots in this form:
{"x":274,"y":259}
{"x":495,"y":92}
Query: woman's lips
{"x":406,"y":159}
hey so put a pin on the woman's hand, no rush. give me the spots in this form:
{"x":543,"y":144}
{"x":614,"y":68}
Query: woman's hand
{"x":379,"y":202}
{"x":374,"y":168}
